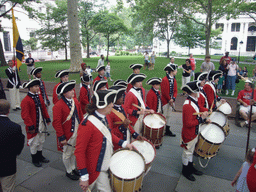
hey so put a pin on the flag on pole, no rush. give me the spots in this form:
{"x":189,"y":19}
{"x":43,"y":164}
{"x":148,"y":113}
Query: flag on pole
{"x":17,"y":44}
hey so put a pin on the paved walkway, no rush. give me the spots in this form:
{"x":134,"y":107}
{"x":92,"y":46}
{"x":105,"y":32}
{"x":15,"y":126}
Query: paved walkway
{"x":164,"y":176}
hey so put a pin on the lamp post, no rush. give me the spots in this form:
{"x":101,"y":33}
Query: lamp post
{"x":241,"y":43}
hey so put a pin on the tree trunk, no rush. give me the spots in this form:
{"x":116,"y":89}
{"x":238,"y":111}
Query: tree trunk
{"x":168,"y":49}
{"x":66,"y":51}
{"x":208,"y":28}
{"x":75,"y":44}
{"x":108,"y":48}
{"x":2,"y":57}
{"x":88,"y":46}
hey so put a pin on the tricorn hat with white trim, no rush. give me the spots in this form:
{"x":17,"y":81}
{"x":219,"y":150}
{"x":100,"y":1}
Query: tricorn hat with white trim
{"x":36,"y":70}
{"x":154,"y":81}
{"x":171,"y":67}
{"x":120,"y":82}
{"x":99,"y":84}
{"x":136,"y":66}
{"x":31,"y":83}
{"x":61,"y":73}
{"x":191,"y":87}
{"x":100,"y":68}
{"x":103,"y":98}
{"x":214,"y":75}
{"x":200,"y":76}
{"x":85,"y":77}
{"x":120,"y":90}
{"x":65,"y":87}
{"x":133,"y":78}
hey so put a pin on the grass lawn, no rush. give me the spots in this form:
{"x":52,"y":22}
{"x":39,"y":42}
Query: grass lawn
{"x":119,"y":69}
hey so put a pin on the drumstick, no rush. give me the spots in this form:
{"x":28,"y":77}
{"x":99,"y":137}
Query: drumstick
{"x":219,"y":107}
{"x":200,"y":113}
{"x":137,"y":106}
{"x":212,"y":106}
{"x":89,"y":190}
{"x":157,"y":116}
{"x":120,"y":122}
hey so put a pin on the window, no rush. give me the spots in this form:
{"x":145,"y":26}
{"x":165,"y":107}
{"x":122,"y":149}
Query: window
{"x":235,"y":27}
{"x":252,"y":28}
{"x":233,"y":45}
{"x":7,"y":44}
{"x":219,"y":25}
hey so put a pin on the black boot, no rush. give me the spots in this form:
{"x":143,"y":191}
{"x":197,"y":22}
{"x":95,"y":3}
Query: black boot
{"x":75,"y":171}
{"x":168,"y":132}
{"x":41,"y":158}
{"x":193,"y":169}
{"x":36,"y":161}
{"x":187,"y":173}
{"x":72,"y":176}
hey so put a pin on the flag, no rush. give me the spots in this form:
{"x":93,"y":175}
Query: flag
{"x":17,"y":44}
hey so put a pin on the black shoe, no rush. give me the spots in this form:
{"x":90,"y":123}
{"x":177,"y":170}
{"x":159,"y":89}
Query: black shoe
{"x":157,"y":147}
{"x":72,"y":176}
{"x":35,"y":160}
{"x":186,"y":172}
{"x":14,"y":109}
{"x":193,"y":169}
{"x":18,"y":108}
{"x":76,"y":172}
{"x":41,"y":158}
{"x":168,"y":132}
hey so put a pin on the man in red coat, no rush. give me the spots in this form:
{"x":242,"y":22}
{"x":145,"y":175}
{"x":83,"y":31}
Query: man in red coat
{"x":169,"y":93}
{"x":136,"y":70}
{"x":202,"y":99}
{"x":67,"y":115}
{"x":94,"y":143}
{"x":210,"y":90}
{"x":101,"y":73}
{"x":136,"y":96}
{"x":124,"y":130}
{"x":251,"y":175}
{"x":63,"y":75}
{"x":35,"y":116}
{"x":37,"y":73}
{"x":190,"y":128}
{"x":85,"y":92}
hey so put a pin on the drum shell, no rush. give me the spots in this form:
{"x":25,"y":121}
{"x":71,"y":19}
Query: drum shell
{"x":225,"y":125}
{"x":154,"y":135}
{"x":126,"y":185}
{"x":205,"y":148}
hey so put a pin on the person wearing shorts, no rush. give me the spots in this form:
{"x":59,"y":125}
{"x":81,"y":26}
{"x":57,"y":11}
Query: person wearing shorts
{"x":30,"y":62}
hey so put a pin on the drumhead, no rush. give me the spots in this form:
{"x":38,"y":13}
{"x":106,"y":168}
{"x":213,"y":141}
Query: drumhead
{"x":213,"y":133}
{"x":154,"y":121}
{"x":218,"y":117}
{"x":127,"y":164}
{"x":146,"y":149}
{"x":224,"y":108}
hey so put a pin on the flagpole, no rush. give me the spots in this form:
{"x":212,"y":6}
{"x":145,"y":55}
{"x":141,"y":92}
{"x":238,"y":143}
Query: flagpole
{"x":13,"y":39}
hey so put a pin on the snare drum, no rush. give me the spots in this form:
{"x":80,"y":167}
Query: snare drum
{"x":148,"y":151}
{"x":225,"y":108}
{"x":220,"y":119}
{"x":126,"y":170}
{"x":209,"y":140}
{"x":154,"y":128}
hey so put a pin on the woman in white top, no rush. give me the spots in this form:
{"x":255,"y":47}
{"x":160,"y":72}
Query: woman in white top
{"x":152,"y":60}
{"x":146,"y":58}
{"x":231,"y":77}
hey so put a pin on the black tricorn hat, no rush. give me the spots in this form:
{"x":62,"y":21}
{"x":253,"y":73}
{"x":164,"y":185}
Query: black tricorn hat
{"x":200,"y":76}
{"x":99,"y":84}
{"x":103,"y":98}
{"x":120,"y":90}
{"x":85,"y":77}
{"x":214,"y":75}
{"x":191,"y":87}
{"x":61,"y":73}
{"x":171,"y":67}
{"x":36,"y":70}
{"x":136,"y":66}
{"x":133,"y":78}
{"x":65,"y":87}
{"x":154,"y":81}
{"x":100,"y":68}
{"x":31,"y":83}
{"x":120,"y":82}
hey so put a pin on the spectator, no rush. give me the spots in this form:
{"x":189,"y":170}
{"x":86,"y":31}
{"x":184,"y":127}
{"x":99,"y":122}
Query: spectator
{"x":108,"y":71}
{"x":226,"y":58}
{"x":30,"y":62}
{"x":240,"y":73}
{"x":11,"y":145}
{"x":254,"y":72}
{"x":254,"y":58}
{"x":172,"y":60}
{"x":186,"y":72}
{"x":245,"y":72}
{"x":89,"y":72}
{"x":100,"y":61}
{"x":221,"y":82}
{"x":2,"y":93}
{"x":207,"y":66}
{"x":223,"y":68}
{"x":231,"y":77}
{"x":146,"y":59}
{"x":152,"y":60}
{"x":83,"y":70}
{"x":193,"y":64}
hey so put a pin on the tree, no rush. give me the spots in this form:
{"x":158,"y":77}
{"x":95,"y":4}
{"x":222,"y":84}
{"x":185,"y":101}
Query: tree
{"x":248,"y":8}
{"x":75,"y":43}
{"x":110,"y":25}
{"x":30,"y":45}
{"x":54,"y":32}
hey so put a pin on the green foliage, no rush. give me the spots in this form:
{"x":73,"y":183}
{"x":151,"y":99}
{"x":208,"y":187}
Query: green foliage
{"x":30,"y":45}
{"x":247,"y":8}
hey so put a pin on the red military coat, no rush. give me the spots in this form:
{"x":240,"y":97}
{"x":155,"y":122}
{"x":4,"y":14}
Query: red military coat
{"x":152,"y":100}
{"x":129,"y":86}
{"x":28,"y":113}
{"x":210,"y":94}
{"x":98,"y":79}
{"x":60,"y":113}
{"x":190,"y":122}
{"x":165,"y":90}
{"x":117,"y":128}
{"x":130,"y":98}
{"x":251,"y":176}
{"x":201,"y":102}
{"x":84,"y":100}
{"x":55,"y":96}
{"x":89,"y":143}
